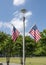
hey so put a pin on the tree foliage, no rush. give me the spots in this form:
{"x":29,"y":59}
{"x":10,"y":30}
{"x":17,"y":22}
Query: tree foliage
{"x":10,"y":48}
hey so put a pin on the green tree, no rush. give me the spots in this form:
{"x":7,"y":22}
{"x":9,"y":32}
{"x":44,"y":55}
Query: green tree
{"x":30,"y":45}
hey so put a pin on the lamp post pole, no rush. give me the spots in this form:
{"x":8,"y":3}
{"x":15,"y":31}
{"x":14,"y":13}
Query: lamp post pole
{"x":23,"y":11}
{"x":23,"y":40}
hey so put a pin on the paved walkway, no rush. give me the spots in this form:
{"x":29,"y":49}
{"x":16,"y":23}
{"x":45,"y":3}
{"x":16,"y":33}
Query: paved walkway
{"x":10,"y":64}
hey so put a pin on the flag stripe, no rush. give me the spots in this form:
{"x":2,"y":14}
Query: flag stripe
{"x":15,"y":33}
{"x":35,"y":33}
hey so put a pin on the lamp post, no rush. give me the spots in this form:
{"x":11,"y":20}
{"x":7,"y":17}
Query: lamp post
{"x":23,"y":11}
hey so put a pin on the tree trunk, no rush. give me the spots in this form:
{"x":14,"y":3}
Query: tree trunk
{"x":7,"y":60}
{"x":21,"y":60}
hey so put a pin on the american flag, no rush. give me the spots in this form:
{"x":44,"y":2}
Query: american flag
{"x":15,"y":33}
{"x":35,"y":33}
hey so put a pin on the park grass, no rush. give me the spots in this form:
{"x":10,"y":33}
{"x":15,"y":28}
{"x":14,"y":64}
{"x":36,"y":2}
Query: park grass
{"x":2,"y":59}
{"x":29,"y":60}
{"x":36,"y":61}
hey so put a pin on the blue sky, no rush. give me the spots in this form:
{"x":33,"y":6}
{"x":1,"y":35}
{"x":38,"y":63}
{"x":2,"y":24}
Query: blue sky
{"x":10,"y":14}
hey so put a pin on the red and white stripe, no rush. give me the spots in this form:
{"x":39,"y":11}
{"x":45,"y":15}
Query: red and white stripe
{"x":15,"y":34}
{"x":35,"y":34}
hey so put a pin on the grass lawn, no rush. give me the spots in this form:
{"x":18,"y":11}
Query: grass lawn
{"x":29,"y":61}
{"x":36,"y":61}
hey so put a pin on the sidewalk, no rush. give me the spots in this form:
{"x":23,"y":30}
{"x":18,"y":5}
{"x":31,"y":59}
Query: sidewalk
{"x":10,"y":64}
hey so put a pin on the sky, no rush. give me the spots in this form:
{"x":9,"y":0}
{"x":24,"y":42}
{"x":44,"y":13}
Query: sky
{"x":10,"y":13}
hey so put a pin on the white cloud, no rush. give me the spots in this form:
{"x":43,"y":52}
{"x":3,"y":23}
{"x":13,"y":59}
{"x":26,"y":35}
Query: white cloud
{"x":29,"y":13}
{"x":17,"y":22}
{"x":8,"y":25}
{"x":5,"y":24}
{"x":20,"y":15}
{"x":1,"y":24}
{"x":18,"y":2}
